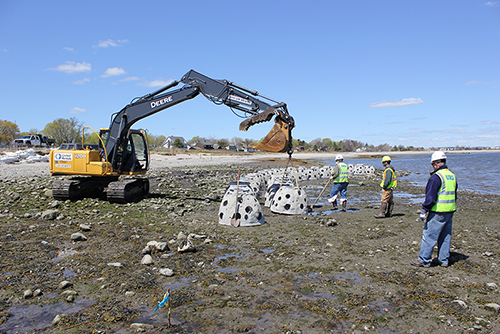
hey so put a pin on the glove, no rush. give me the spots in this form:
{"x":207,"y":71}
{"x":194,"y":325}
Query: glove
{"x":423,"y":215}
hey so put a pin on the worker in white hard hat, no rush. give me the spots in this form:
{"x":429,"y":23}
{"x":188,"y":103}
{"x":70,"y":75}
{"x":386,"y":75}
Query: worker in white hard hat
{"x":437,"y":213}
{"x":388,"y":184}
{"x":340,"y":179}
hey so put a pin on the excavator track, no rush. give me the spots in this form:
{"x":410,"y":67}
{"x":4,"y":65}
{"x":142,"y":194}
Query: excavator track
{"x":127,"y":190}
{"x":80,"y":187}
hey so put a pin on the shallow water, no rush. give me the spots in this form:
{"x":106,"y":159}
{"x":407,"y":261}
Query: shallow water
{"x":28,"y":318}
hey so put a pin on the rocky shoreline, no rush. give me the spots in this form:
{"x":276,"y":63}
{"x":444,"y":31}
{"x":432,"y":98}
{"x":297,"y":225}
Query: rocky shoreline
{"x":94,"y":267}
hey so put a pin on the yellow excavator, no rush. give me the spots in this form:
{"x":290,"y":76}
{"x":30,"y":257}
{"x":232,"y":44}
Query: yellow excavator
{"x":96,"y":169}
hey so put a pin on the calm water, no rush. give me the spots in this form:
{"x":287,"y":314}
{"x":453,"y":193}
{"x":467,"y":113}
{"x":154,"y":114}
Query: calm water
{"x":478,"y":172}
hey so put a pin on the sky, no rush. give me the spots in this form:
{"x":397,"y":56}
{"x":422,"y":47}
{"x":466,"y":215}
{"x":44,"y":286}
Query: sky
{"x":414,"y":73}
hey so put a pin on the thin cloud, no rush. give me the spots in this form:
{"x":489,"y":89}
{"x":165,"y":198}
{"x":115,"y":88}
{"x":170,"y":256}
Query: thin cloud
{"x":129,"y":79}
{"x":156,"y":83}
{"x":77,"y":110}
{"x":492,"y":3}
{"x":111,"y":43}
{"x":72,"y":67}
{"x":69,"y":49}
{"x":396,"y":103}
{"x":489,"y":122}
{"x":112,"y":72}
{"x":81,"y":82}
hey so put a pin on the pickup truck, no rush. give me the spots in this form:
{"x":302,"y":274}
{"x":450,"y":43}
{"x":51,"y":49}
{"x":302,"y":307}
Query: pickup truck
{"x":34,"y":140}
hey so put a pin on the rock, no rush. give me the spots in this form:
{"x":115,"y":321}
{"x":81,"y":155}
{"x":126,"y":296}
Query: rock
{"x":152,"y":244}
{"x":181,"y":236}
{"x":331,"y":222}
{"x":196,"y":236}
{"x":55,"y":204}
{"x":78,"y":237}
{"x":460,"y":302}
{"x":162,"y":246}
{"x":50,"y":214}
{"x":28,"y":294}
{"x":129,"y":293}
{"x":166,"y":272}
{"x":186,"y":245}
{"x":146,"y":250}
{"x":147,"y":260}
{"x":140,"y":327}
{"x":70,"y":298}
{"x":488,"y":254}
{"x":37,"y":293}
{"x":115,"y":264}
{"x":85,"y":227}
{"x":492,"y":285}
{"x":64,"y":285}
{"x":69,"y":293}
{"x":56,"y":320}
{"x":493,"y":306}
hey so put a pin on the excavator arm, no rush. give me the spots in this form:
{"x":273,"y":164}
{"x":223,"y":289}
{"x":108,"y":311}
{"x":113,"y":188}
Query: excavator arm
{"x":237,"y":97}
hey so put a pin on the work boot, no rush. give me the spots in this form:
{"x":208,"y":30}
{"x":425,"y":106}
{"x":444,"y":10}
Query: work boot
{"x":390,"y":206}
{"x":334,"y":203}
{"x":383,"y":207}
{"x":344,"y":205}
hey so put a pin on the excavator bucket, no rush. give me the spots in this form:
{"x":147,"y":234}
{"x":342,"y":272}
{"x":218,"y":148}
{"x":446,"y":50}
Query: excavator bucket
{"x":279,"y":139}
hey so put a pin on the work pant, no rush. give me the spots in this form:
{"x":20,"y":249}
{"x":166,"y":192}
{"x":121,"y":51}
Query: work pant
{"x":437,"y":229}
{"x":339,"y":186}
{"x":387,"y":196}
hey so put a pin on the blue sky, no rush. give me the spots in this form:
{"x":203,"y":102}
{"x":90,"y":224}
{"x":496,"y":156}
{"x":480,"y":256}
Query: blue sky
{"x":421,"y":73}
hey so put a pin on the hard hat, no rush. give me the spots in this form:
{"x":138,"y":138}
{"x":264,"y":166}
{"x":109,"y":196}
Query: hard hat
{"x":386,"y":158}
{"x":339,"y":157}
{"x":438,"y":155}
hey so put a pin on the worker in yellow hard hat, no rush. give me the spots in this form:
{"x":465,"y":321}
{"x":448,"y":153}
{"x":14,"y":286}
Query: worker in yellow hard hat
{"x":389,"y":182}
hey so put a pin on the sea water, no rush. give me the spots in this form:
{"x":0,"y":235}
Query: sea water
{"x":475,"y":171}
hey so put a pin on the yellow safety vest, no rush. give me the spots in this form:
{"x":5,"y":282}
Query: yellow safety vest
{"x":343,"y":173}
{"x":446,"y":196}
{"x":394,"y":181}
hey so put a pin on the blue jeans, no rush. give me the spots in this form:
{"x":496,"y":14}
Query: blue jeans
{"x":436,"y":229}
{"x":342,"y":187}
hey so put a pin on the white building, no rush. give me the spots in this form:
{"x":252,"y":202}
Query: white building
{"x":169,"y":142}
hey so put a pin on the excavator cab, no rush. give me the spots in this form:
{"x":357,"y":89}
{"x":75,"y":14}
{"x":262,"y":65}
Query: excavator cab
{"x":132,"y":154}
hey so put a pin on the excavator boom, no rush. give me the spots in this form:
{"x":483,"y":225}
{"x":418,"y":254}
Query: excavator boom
{"x":124,"y":151}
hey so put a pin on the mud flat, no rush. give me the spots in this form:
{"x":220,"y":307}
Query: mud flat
{"x":327,"y":271}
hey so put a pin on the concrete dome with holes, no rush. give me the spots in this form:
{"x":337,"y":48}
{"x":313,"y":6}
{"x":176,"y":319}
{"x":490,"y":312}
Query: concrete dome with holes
{"x":247,"y":212}
{"x":289,"y":200}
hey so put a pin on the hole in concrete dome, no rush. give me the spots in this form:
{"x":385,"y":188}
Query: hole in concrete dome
{"x":259,"y":216}
{"x":279,"y":198}
{"x":302,"y":206}
{"x":287,"y":206}
{"x":248,"y":209}
{"x":224,"y":203}
{"x":221,"y":215}
{"x":299,"y":192}
{"x":246,"y":217}
{"x":287,"y":195}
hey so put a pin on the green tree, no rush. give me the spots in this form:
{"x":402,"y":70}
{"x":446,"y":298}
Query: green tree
{"x":64,"y":130}
{"x":178,"y":143}
{"x":222,"y":143}
{"x":194,"y":140}
{"x":7,"y":131}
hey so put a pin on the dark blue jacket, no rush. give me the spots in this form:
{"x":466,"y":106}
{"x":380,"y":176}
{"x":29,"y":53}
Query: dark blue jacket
{"x":431,"y":189}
